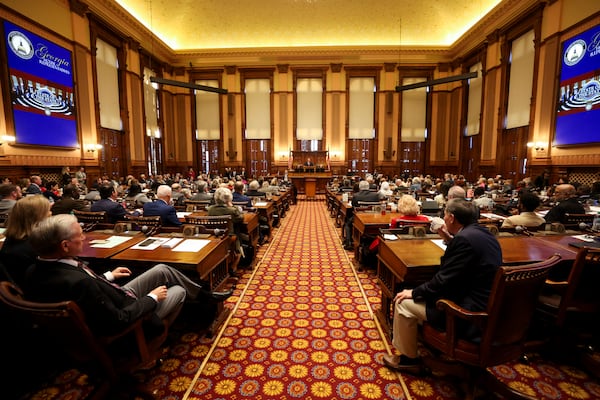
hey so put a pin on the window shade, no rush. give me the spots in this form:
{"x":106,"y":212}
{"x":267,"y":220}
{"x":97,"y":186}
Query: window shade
{"x":258,"y":109}
{"x":414,"y":112}
{"x":474,"y":110}
{"x":362,"y":108}
{"x":107,"y":67}
{"x":207,"y":112}
{"x":309,"y":111}
{"x":521,"y":80}
{"x":150,"y":105}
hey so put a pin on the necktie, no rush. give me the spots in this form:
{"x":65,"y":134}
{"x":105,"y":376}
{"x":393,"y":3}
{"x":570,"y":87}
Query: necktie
{"x":91,"y":272}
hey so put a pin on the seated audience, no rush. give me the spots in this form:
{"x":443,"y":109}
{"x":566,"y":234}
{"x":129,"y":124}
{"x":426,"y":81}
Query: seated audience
{"x":528,"y":202}
{"x":69,"y":201}
{"x":565,"y":198}
{"x":177,"y":195}
{"x":108,"y":202}
{"x":109,"y":308}
{"x":384,"y":191}
{"x":93,"y":195}
{"x":9,"y":194}
{"x":162,"y":207}
{"x":364,"y":194}
{"x":481,"y":200}
{"x":51,"y":192}
{"x":409,"y":212}
{"x":17,"y":254}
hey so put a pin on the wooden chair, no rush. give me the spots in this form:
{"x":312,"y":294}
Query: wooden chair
{"x":63,"y":325}
{"x":504,"y":325}
{"x":196,"y":205}
{"x":92,"y":220}
{"x":219,"y":225}
{"x":150,"y":225}
{"x":572,"y":307}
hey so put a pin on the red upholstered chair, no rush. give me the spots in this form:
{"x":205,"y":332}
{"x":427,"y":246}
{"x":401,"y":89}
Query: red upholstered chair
{"x":504,"y":325}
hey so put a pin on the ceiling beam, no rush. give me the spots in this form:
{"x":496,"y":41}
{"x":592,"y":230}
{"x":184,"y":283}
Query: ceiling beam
{"x":187,"y":85}
{"x":437,"y":81}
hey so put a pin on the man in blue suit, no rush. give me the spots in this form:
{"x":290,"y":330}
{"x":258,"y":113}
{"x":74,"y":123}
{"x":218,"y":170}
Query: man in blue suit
{"x":108,"y":202}
{"x":466,"y":273}
{"x":162,"y":207}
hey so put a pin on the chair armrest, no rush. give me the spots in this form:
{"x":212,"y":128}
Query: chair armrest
{"x":454,"y":311}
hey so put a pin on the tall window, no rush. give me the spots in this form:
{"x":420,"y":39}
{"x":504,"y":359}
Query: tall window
{"x":208,"y":125}
{"x":258,"y":125}
{"x":107,"y":75}
{"x":152,"y":113}
{"x":361,"y":123}
{"x":520,"y":88}
{"x":414,"y":112}
{"x":474,"y":105}
{"x":309,"y":113}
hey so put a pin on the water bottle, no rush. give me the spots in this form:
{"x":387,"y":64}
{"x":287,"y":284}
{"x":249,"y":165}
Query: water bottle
{"x":596,"y":224}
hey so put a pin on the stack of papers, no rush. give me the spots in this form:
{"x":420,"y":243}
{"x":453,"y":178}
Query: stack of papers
{"x":109,"y":243}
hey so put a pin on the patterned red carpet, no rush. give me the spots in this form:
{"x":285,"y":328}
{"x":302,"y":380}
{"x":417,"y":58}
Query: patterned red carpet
{"x":302,"y":326}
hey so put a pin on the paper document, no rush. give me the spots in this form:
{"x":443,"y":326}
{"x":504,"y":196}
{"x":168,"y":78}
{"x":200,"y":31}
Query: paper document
{"x":261,"y":204}
{"x":492,"y":216}
{"x":585,"y":238}
{"x":439,"y":243}
{"x":182,"y":214}
{"x":110,"y":242}
{"x":192,"y":245}
{"x":150,"y":243}
{"x":388,"y":236}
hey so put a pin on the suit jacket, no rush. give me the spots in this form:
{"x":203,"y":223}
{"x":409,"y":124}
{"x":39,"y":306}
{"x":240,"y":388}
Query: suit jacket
{"x":557,"y":213}
{"x":466,"y":273}
{"x":364,"y":195}
{"x":238,"y":198}
{"x":526,"y":218}
{"x":114,"y":211}
{"x":108,"y":310}
{"x":33,"y":189}
{"x":67,"y":204}
{"x":17,"y":255}
{"x":166,"y":212}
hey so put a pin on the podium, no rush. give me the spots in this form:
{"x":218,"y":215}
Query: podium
{"x":310,"y":188}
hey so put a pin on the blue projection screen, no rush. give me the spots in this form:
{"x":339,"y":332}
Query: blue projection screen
{"x":41,"y":89}
{"x":578,"y":113}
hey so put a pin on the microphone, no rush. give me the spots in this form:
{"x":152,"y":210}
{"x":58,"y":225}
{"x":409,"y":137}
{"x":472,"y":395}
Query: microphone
{"x":217,"y":232}
{"x":585,"y":228}
{"x":523,"y":230}
{"x":145,"y":230}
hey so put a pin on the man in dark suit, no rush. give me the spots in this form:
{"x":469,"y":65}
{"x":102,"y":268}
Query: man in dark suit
{"x":35,"y":187}
{"x":109,"y":308}
{"x":364,"y":194}
{"x":238,"y":194}
{"x":69,"y":201}
{"x":465,"y":276}
{"x":162,"y":207}
{"x":565,"y":197}
{"x":108,"y":202}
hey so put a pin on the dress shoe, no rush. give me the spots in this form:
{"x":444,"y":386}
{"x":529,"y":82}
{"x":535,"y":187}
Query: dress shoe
{"x":221,"y":296}
{"x":348,"y":247}
{"x":404,"y":364}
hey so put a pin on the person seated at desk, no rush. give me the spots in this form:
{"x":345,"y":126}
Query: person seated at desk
{"x":238,"y":194}
{"x":409,"y":212}
{"x":466,"y":273}
{"x":9,"y":194}
{"x":69,"y":201}
{"x":108,"y":202}
{"x":528,"y":202}
{"x":17,"y":254}
{"x":253,"y":190}
{"x":109,"y":308}
{"x":223,"y":206}
{"x":135,"y":197}
{"x":566,"y":198}
{"x":162,"y":207}
{"x":309,"y":162}
{"x":202,"y":194}
{"x":364,"y":194}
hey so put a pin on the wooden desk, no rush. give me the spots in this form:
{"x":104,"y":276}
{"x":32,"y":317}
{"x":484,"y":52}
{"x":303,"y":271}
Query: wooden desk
{"x":321,"y":178}
{"x":368,"y":223}
{"x":408,"y":263}
{"x":95,"y":254}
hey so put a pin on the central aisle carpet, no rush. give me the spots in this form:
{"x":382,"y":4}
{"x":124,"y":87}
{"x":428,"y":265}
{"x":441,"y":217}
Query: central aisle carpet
{"x":302,"y":327}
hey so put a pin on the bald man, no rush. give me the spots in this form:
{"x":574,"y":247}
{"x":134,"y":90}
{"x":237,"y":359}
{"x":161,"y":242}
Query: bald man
{"x":565,"y":200}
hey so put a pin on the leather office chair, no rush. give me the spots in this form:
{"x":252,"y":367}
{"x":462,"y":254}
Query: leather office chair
{"x":92,"y":220}
{"x":571,"y":308}
{"x":504,"y":325}
{"x":63,"y":325}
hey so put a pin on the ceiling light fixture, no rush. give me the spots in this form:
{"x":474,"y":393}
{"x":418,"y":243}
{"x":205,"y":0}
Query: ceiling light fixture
{"x":439,"y":81}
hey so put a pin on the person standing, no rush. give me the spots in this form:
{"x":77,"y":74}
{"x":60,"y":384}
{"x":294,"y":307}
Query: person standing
{"x":81,"y":177}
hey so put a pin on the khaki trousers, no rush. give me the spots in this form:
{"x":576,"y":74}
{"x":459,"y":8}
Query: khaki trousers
{"x":407,"y":316}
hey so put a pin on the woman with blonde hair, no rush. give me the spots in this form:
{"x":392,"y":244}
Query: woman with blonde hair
{"x":16,"y":253}
{"x":409,"y":210}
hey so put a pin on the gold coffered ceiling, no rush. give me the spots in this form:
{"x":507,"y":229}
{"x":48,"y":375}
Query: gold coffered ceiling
{"x":236,"y":24}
